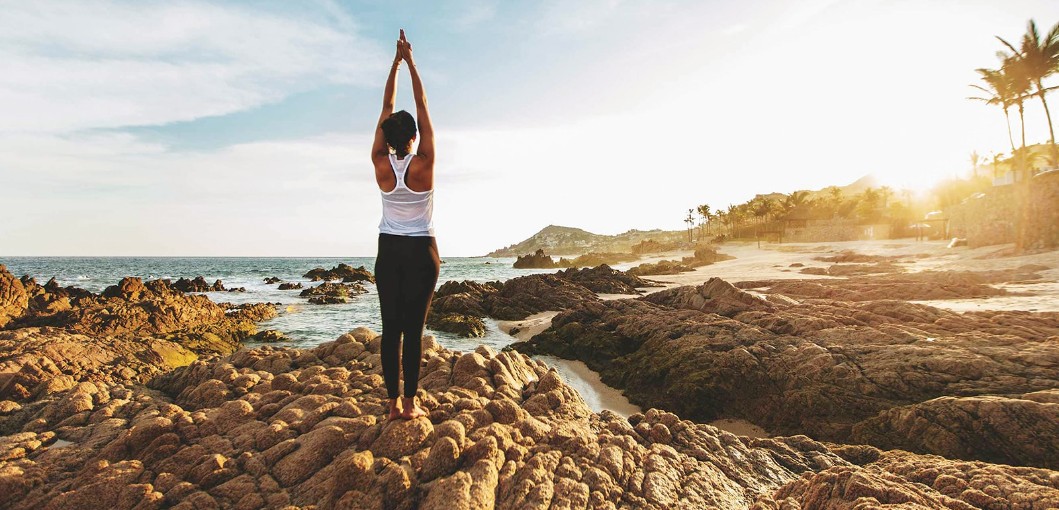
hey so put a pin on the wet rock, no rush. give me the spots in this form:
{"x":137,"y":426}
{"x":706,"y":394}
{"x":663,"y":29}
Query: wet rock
{"x":332,"y":293}
{"x":198,"y":284}
{"x":270,"y":335}
{"x":467,"y":326}
{"x":290,"y":286}
{"x":344,"y":272}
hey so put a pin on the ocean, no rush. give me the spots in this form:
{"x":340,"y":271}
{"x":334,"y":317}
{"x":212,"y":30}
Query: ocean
{"x":306,"y":324}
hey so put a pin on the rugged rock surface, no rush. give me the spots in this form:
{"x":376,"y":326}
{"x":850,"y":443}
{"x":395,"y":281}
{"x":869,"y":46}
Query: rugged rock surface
{"x":818,"y":367}
{"x":468,"y":326}
{"x":604,"y":279}
{"x":273,"y":279}
{"x":465,"y":298}
{"x":535,"y":260}
{"x":137,"y":308}
{"x":705,"y":255}
{"x":290,"y":286}
{"x":715,"y":296}
{"x":37,"y":363}
{"x":198,"y":284}
{"x":521,"y":297}
{"x":660,"y":267}
{"x":270,"y":336}
{"x":344,"y":272}
{"x":332,"y":293}
{"x":13,"y":297}
{"x":926,"y":285}
{"x":1022,"y":429}
{"x":273,"y":427}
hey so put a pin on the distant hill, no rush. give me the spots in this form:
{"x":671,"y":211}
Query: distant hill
{"x":854,"y":188}
{"x":559,"y":240}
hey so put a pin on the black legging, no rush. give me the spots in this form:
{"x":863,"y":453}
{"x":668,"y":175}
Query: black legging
{"x":406,"y":271}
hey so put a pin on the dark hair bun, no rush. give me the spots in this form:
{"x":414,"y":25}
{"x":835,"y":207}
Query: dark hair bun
{"x":399,"y":128}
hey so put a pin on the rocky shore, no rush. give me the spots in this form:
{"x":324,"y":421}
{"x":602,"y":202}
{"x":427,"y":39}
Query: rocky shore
{"x":141,"y":396}
{"x":844,"y":360}
{"x":459,"y":307}
{"x":272,"y":428}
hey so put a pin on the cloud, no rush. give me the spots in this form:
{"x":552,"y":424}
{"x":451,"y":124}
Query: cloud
{"x":67,"y":66}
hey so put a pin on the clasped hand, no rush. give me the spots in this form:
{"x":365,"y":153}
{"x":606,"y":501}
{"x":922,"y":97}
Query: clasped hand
{"x":404,"y":50}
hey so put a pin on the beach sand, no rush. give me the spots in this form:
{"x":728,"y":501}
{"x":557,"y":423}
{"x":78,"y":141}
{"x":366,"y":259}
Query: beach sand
{"x":586,"y":381}
{"x":525,"y":329}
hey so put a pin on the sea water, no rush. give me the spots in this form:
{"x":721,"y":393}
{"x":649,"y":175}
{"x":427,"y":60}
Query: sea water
{"x":306,"y":324}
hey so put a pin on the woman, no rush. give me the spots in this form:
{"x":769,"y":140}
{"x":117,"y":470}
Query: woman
{"x":406,"y":268}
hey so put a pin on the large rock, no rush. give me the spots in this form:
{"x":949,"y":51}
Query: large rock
{"x":275,"y":427}
{"x":344,"y":272}
{"x":133,"y":307}
{"x":13,"y":297}
{"x":604,"y":279}
{"x":198,"y":284}
{"x":822,"y":367}
{"x":715,"y":296}
{"x":514,"y":299}
{"x":467,"y":326}
{"x":535,"y":260}
{"x":526,"y":295}
{"x":331,"y":293}
{"x":1020,"y":430}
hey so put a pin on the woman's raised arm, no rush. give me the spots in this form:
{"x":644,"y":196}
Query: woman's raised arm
{"x":389,"y":98}
{"x":426,"y":129}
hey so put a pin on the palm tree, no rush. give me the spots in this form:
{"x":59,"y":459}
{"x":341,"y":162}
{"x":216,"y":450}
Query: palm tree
{"x":722,"y":216}
{"x":834,"y":195}
{"x":763,"y":207}
{"x":1000,"y":88}
{"x":793,"y":201}
{"x":975,"y":158}
{"x":733,"y":218}
{"x":704,"y":213}
{"x":885,"y":193}
{"x":1038,"y":58}
{"x":690,"y":220}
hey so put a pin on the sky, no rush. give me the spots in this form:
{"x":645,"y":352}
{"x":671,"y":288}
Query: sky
{"x":243,"y":129}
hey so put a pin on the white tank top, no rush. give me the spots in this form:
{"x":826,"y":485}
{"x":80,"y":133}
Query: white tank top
{"x":406,"y":212}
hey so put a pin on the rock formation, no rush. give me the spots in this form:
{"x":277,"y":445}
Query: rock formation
{"x":604,"y":279}
{"x":332,"y":293}
{"x":198,"y":284}
{"x":876,"y":371}
{"x":13,"y":297}
{"x":535,"y":260}
{"x":276,"y":427}
{"x":466,"y":326}
{"x":344,"y":272}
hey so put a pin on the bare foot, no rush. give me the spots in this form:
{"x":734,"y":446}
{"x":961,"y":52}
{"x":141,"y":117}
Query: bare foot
{"x":395,"y":412}
{"x":411,"y":409}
